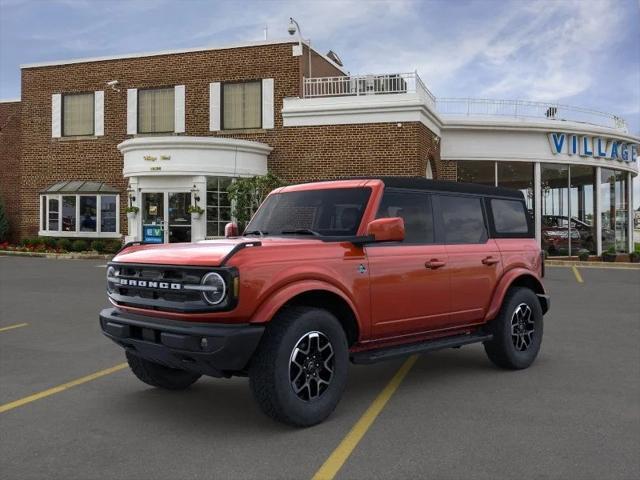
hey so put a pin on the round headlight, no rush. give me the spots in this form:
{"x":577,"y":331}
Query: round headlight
{"x":111,"y":273}
{"x":215,"y":288}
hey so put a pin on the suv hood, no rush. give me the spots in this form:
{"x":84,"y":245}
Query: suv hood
{"x":210,"y":253}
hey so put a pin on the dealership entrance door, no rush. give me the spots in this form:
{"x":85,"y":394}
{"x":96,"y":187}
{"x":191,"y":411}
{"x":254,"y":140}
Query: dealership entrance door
{"x":165,"y":218}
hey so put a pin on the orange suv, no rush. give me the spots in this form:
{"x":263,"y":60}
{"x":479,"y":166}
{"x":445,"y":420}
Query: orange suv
{"x":359,"y":270}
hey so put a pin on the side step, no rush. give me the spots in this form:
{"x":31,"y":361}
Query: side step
{"x":397,"y":351}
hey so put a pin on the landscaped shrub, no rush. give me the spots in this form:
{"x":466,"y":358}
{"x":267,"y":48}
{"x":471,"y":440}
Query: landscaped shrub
{"x":49,"y":242}
{"x":98,"y":245}
{"x":30,"y":242}
{"x":112,"y":246}
{"x":64,"y":244}
{"x":583,"y":254}
{"x":4,"y":224}
{"x":79,"y":246}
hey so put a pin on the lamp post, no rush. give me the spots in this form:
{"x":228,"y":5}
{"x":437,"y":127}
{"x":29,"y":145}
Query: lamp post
{"x":293,"y":28}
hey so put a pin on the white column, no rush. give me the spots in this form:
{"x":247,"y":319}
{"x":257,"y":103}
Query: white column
{"x":630,"y":211}
{"x":537,"y":207}
{"x":598,"y":211}
{"x":199,"y":226}
{"x":134,"y":226}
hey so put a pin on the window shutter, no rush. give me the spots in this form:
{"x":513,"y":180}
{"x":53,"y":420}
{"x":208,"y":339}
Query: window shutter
{"x":179,"y":99}
{"x":56,"y":115}
{"x":132,"y":111}
{"x":214,"y":106}
{"x":268,"y":110}
{"x":98,"y":111}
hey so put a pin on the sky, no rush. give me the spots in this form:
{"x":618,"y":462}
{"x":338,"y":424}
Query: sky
{"x":577,"y":52}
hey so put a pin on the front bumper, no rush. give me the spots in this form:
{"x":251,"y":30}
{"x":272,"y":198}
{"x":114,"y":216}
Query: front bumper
{"x":216,"y":350}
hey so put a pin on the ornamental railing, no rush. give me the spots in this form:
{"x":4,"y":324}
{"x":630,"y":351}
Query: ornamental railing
{"x":357,"y":85}
{"x":527,"y":109}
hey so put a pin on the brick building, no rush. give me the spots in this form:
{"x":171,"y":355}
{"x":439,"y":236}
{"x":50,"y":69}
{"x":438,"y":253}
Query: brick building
{"x":162,"y":131}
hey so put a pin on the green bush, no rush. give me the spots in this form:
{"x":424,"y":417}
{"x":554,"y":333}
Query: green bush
{"x":48,"y":242}
{"x":79,"y":245}
{"x":98,"y":245}
{"x":583,"y":254}
{"x":64,"y":244}
{"x":4,"y":224}
{"x":246,"y":195}
{"x":31,"y":242}
{"x":112,"y":246}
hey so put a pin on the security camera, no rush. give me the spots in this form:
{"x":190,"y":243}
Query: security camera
{"x":292,"y":27}
{"x":112,"y":83}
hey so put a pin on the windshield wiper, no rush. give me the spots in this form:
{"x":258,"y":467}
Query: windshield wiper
{"x":255,"y":232}
{"x":302,"y":231}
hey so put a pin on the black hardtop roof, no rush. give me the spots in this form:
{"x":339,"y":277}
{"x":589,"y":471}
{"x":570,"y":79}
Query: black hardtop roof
{"x":421,"y":183}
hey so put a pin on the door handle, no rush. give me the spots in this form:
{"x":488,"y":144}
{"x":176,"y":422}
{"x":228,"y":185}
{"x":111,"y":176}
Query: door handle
{"x":490,"y":260}
{"x":434,"y":263}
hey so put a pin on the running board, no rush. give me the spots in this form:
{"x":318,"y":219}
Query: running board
{"x":397,"y":351}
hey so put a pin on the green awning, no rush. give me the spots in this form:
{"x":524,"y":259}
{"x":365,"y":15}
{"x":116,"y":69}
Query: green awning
{"x":80,"y":186}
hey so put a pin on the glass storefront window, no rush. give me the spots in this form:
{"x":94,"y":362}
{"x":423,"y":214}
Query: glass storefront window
{"x":518,"y":175}
{"x":582,"y":206}
{"x":218,"y":205}
{"x":108,"y":213}
{"x":69,"y":213}
{"x":614,"y":207}
{"x":88,"y":213}
{"x":481,"y":171}
{"x":555,"y":210}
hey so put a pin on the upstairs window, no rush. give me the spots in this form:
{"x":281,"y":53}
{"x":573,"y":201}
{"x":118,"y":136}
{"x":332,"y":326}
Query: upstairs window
{"x":156,"y":110}
{"x":78,"y":114}
{"x":242,"y":105}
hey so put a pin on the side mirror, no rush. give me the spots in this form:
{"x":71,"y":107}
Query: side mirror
{"x":386,"y":229}
{"x":231,"y":230}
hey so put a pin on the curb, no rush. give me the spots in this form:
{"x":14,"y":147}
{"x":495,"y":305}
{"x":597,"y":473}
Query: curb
{"x":58,"y":256}
{"x":603,"y":265}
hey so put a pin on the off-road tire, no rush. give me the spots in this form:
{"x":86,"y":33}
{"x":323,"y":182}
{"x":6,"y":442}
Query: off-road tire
{"x":502,"y":350}
{"x":269,"y":370}
{"x":160,"y":376}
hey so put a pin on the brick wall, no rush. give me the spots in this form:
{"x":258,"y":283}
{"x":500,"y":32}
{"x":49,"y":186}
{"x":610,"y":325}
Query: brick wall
{"x":299,"y":153}
{"x":10,"y":162}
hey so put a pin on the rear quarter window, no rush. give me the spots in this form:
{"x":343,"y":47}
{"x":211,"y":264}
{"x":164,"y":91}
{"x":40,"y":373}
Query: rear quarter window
{"x":462,"y":219}
{"x":509,"y":217}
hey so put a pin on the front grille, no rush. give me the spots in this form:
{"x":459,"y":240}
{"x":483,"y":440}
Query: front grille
{"x":159,"y":287}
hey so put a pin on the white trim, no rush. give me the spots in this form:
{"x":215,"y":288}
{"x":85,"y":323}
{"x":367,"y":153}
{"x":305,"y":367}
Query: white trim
{"x":56,"y":115}
{"x":179,"y":109}
{"x":630,"y":213}
{"x":156,"y":53}
{"x":10,"y":100}
{"x":537,"y":201}
{"x":132,"y":111}
{"x":214,"y":106}
{"x":268,"y":108}
{"x":47,"y":233}
{"x":78,"y":233}
{"x":98,"y":113}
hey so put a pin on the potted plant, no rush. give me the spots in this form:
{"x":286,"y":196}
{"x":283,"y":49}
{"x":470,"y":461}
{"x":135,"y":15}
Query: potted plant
{"x":132,"y":212}
{"x":195,"y":211}
{"x":610,"y":255}
{"x":634,"y":256}
{"x":583,"y":255}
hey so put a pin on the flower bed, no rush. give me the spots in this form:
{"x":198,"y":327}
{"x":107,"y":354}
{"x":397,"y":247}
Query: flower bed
{"x":62,"y":245}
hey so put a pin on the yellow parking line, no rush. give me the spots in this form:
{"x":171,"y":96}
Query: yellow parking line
{"x":60,"y":388}
{"x":334,"y":463}
{"x":11,"y":327}
{"x":577,"y":274}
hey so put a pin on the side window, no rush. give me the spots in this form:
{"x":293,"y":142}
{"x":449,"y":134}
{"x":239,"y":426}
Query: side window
{"x":415,"y":210}
{"x":509,"y":216}
{"x":462,"y":219}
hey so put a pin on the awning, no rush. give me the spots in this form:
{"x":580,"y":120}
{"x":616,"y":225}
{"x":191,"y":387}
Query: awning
{"x":80,"y":186}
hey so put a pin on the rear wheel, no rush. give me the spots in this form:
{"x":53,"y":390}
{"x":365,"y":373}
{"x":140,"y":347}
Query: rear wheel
{"x":160,"y":376}
{"x":299,"y":370}
{"x":517,"y":330}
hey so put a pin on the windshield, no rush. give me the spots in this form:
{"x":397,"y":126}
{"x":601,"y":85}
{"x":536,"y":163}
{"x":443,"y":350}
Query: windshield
{"x":330,"y":212}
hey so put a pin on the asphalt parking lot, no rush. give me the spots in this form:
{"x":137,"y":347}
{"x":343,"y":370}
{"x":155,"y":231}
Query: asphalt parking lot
{"x":575,"y":414}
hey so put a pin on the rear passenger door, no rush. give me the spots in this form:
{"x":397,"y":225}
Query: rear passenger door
{"x":409,"y":279}
{"x":474,"y":260}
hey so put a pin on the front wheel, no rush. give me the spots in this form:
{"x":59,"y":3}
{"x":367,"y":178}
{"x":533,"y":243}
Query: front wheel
{"x":299,"y":370}
{"x":517,"y":330}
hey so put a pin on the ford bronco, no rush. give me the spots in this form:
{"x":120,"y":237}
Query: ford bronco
{"x":358,"y":270}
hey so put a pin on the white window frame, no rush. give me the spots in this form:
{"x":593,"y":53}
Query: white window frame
{"x":98,"y":115}
{"x":78,"y":233}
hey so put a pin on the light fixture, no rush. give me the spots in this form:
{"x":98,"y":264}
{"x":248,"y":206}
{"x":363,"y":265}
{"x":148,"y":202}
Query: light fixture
{"x":132,"y":197}
{"x":292,"y":29}
{"x":195,"y":193}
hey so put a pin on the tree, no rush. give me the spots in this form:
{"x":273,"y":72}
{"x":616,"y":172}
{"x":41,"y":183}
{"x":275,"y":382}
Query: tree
{"x":246,"y":195}
{"x":4,"y":223}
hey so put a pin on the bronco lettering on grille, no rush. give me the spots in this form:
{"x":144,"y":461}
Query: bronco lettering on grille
{"x":144,"y":283}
